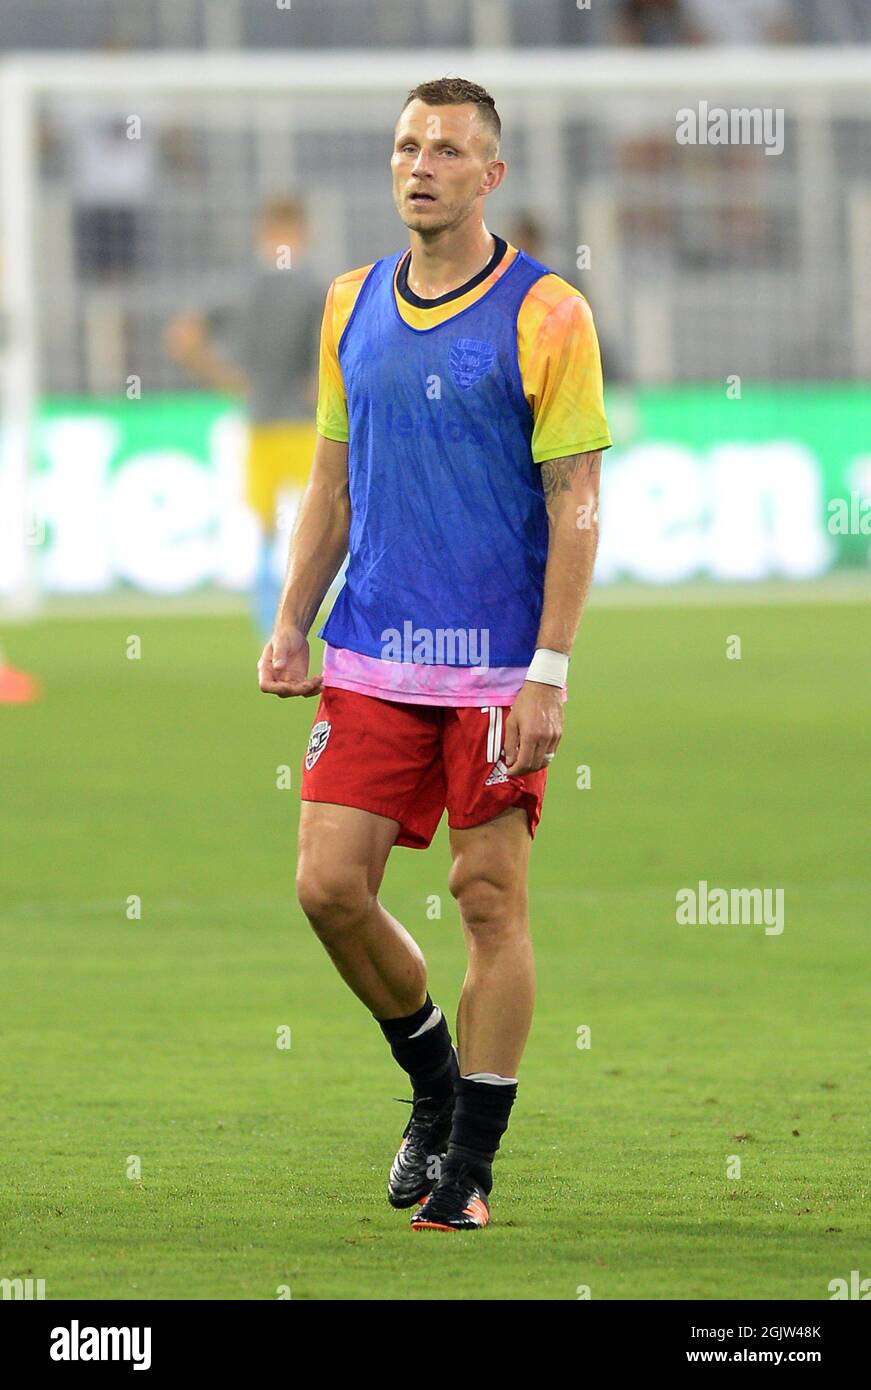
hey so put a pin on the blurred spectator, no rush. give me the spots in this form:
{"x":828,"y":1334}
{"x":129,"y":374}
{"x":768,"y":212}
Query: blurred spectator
{"x":109,"y":153}
{"x":735,"y":223}
{"x":527,"y":234}
{"x":112,"y":162}
{"x":654,"y":23}
{"x":751,"y":22}
{"x":646,"y":153}
{"x":265,"y":349}
{"x":726,"y":220}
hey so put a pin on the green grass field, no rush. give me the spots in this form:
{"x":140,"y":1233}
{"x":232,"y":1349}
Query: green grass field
{"x":262,"y":1167}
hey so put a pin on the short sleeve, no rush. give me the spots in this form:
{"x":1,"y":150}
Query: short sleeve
{"x":561,"y":369}
{"x":332,"y":412}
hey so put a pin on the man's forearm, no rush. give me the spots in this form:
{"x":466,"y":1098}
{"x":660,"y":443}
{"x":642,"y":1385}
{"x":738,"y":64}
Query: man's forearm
{"x":571,"y":488}
{"x":317,"y":548}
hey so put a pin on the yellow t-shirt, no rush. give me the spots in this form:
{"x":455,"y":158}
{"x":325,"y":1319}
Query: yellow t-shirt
{"x":561,"y":371}
{"x":557,"y":350}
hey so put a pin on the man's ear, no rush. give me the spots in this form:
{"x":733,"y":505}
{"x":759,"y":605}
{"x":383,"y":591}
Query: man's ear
{"x":493,"y":175}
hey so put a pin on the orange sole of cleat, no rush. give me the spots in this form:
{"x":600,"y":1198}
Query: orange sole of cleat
{"x":477,"y":1208}
{"x":433,"y":1226}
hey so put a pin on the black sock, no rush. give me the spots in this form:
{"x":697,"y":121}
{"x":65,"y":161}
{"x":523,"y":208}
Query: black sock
{"x":481,"y":1117}
{"x":429,"y":1057}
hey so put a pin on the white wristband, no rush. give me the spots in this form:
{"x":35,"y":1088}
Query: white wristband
{"x":548,"y":668}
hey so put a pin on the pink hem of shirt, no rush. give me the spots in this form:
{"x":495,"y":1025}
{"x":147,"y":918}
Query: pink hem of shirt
{"x":412,"y":683}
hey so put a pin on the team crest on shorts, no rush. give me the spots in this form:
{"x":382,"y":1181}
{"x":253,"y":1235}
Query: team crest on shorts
{"x":317,"y":742}
{"x":469,"y":360}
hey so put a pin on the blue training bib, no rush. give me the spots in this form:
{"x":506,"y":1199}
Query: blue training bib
{"x":448,"y":521}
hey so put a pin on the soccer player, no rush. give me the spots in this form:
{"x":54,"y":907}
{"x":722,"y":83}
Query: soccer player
{"x":272,"y":337}
{"x":460,"y":430}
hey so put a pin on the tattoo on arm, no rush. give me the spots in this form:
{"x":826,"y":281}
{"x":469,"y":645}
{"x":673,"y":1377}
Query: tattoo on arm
{"x":557,"y":475}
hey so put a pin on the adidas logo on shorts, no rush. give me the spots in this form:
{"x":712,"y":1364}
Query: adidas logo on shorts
{"x":499,"y":774}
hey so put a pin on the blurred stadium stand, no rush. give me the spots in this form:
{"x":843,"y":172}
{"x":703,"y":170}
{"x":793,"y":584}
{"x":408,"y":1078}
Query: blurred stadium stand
{"x":706,"y":261}
{"x":59,"y":24}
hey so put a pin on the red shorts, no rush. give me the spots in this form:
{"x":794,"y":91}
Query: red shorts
{"x":409,"y":762}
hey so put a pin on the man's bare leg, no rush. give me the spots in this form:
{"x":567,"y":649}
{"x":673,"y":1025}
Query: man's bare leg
{"x":342,"y":855}
{"x":341,"y":860}
{"x":488,"y":879}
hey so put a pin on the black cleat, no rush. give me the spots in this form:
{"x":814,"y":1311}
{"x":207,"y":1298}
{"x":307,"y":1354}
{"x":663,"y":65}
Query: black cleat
{"x":458,"y":1202}
{"x":417,"y":1165}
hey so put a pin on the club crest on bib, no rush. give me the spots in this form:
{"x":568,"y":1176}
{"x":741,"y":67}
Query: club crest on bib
{"x":469,"y":360}
{"x":317,"y":742}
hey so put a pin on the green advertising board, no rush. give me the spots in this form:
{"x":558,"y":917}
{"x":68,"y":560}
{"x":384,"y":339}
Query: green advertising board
{"x":709,"y":482}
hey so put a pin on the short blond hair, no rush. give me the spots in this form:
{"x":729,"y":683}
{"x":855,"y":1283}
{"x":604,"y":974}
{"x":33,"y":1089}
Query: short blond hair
{"x":459,"y":91}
